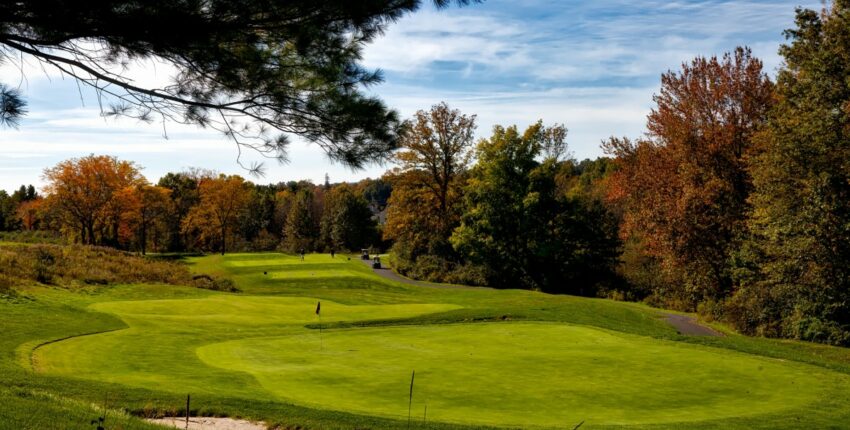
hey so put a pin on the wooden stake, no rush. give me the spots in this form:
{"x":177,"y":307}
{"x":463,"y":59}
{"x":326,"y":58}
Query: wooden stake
{"x":188,"y":398}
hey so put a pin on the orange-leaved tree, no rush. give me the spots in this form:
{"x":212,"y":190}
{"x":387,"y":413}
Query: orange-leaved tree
{"x":685,"y":187}
{"x":145,"y":209}
{"x":222,"y":201}
{"x":28,"y":213}
{"x":82,"y":192}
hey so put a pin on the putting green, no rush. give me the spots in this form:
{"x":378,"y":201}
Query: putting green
{"x":518,"y":374}
{"x":158,"y":348}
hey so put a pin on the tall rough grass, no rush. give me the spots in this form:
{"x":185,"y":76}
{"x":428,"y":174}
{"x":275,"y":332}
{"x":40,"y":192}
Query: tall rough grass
{"x":77,"y":265}
{"x":36,"y":236}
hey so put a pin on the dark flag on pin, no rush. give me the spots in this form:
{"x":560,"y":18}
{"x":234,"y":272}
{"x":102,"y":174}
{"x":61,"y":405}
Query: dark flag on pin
{"x":318,"y":307}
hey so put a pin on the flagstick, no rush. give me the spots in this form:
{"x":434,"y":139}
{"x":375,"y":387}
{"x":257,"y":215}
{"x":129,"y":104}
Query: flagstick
{"x":319,"y":314}
{"x":410,"y":400}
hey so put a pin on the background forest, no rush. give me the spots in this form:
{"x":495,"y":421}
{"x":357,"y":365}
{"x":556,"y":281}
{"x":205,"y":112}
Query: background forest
{"x":736,"y":202}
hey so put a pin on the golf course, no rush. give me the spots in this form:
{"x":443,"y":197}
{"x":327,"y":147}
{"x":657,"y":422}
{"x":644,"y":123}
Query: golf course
{"x":482,"y":358}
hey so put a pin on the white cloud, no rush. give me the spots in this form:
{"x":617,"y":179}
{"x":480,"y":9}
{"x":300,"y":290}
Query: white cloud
{"x":590,"y":113}
{"x":591,"y":65}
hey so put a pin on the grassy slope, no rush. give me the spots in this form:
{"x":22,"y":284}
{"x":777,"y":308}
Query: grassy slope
{"x":55,"y":314}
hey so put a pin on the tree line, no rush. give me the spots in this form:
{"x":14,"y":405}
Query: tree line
{"x":735,"y":203}
{"x":101,"y":200}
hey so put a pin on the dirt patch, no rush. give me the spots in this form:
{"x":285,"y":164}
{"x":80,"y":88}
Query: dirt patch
{"x":207,"y":423}
{"x":689,"y":326}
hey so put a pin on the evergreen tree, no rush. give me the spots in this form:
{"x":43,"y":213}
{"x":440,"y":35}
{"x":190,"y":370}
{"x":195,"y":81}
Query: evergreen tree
{"x":795,"y":276}
{"x":256,"y":70}
{"x":347,"y":222}
{"x":300,"y":231}
{"x":7,"y":212}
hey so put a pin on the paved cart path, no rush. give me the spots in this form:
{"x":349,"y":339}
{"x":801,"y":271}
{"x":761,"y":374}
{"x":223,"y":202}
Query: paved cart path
{"x":390,"y":274}
{"x":688,"y":325}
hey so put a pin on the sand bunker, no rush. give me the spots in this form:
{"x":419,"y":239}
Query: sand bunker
{"x":206,"y":423}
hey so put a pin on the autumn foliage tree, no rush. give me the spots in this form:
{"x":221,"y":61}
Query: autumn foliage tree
{"x":29,"y":213}
{"x":221,"y":201}
{"x":145,"y":210}
{"x":684,"y":188}
{"x":183,"y":192}
{"x":424,"y":207}
{"x":436,"y":150}
{"x":83,"y":192}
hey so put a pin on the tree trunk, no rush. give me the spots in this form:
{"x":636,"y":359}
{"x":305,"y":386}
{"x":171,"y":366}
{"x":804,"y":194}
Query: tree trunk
{"x":90,"y":231}
{"x":223,"y":238}
{"x":144,"y":238}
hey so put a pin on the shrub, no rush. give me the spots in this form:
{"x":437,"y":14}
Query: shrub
{"x":710,"y":310}
{"x":815,"y":330}
{"x":433,"y":268}
{"x":43,"y":266}
{"x":642,"y":275}
{"x":6,"y":284}
{"x":430,"y":268}
{"x":750,"y":311}
{"x":759,"y":309}
{"x":217,"y":284}
{"x":467,"y":274}
{"x":264,"y":241}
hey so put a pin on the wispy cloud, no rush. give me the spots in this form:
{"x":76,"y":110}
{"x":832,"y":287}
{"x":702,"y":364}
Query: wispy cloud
{"x":577,"y":41}
{"x":592,"y":65}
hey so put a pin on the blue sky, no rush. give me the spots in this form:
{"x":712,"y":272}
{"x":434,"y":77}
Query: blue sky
{"x":593,"y":66}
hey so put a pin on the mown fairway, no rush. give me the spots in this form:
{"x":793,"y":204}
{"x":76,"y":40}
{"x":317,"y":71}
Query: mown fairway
{"x":482,"y":357}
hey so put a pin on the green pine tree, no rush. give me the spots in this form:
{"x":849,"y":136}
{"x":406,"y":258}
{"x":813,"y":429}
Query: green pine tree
{"x":795,"y":280}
